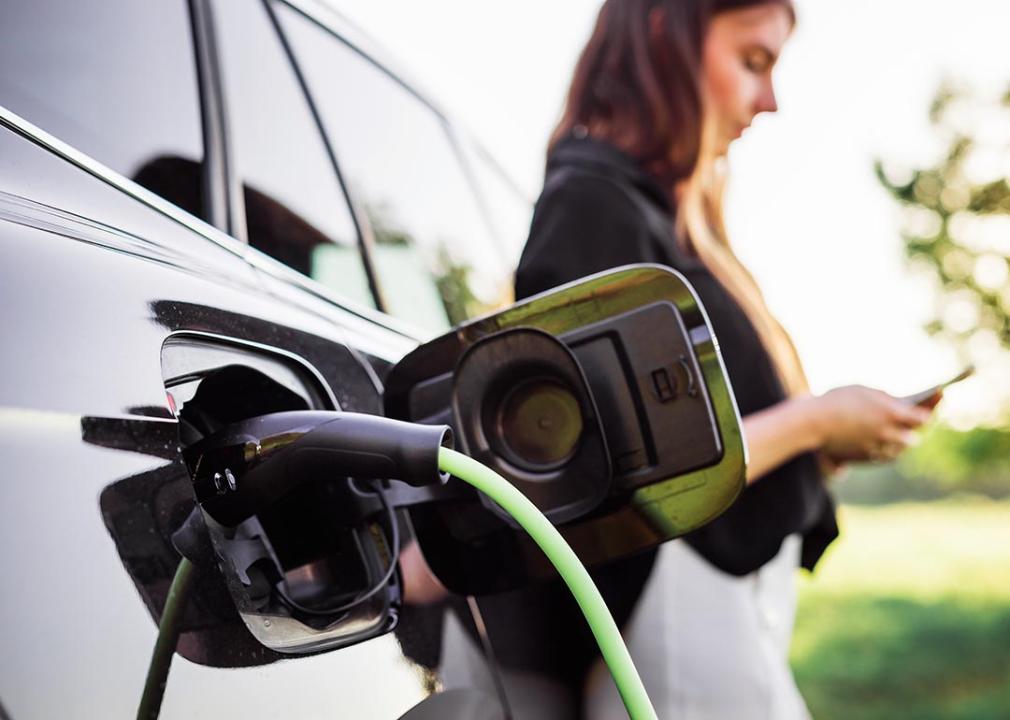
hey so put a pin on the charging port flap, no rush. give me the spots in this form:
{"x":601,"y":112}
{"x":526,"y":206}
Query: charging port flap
{"x":315,"y":569}
{"x":623,"y":428}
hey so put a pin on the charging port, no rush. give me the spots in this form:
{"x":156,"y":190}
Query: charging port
{"x":314,"y":570}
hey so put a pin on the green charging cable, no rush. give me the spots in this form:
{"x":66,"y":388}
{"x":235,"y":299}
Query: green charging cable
{"x":572,"y":571}
{"x":164,"y":647}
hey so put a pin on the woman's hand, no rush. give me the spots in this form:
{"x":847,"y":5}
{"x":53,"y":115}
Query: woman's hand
{"x":861,"y":423}
{"x":845,"y":424}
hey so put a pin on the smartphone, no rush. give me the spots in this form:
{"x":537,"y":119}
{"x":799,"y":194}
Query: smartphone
{"x":924,"y":396}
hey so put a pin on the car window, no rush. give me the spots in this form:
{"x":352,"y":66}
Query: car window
{"x":295,"y":208}
{"x":436,"y":259}
{"x":510,"y":211}
{"x":116,"y":79}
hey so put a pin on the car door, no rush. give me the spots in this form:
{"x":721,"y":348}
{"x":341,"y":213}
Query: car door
{"x":118,"y":277}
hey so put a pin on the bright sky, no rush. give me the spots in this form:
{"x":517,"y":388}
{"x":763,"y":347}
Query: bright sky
{"x":804,"y":209}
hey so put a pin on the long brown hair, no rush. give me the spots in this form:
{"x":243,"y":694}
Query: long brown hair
{"x":637,"y":85}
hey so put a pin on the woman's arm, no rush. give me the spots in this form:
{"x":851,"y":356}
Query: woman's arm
{"x":778,"y":434}
{"x":849,"y":423}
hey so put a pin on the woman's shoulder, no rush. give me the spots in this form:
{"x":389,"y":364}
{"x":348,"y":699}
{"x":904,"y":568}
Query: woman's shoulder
{"x":593,"y":215}
{"x":595,"y":187}
{"x":580,"y":190}
{"x":596,"y":168}
{"x":582,"y":224}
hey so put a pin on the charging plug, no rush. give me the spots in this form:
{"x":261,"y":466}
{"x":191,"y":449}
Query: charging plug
{"x":241,"y":469}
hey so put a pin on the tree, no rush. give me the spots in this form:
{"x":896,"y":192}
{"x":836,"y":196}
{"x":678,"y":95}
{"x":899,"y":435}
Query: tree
{"x":957,"y":218}
{"x":957,"y":230}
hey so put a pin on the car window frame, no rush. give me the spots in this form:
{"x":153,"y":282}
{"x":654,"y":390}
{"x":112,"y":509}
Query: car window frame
{"x":332,"y":23}
{"x":235,"y":197}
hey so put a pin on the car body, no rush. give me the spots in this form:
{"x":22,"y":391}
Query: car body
{"x":186,"y":186}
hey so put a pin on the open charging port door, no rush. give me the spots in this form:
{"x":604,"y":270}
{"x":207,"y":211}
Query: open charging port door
{"x":604,"y":400}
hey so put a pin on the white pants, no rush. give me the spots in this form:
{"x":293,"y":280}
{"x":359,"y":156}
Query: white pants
{"x":710,"y":646}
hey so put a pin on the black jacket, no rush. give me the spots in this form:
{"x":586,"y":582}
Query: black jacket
{"x":597,"y":211}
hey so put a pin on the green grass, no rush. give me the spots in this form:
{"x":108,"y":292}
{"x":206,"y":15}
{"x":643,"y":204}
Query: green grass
{"x":908,"y":616}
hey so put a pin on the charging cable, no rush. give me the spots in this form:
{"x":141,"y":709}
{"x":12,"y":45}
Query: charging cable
{"x":164,"y":647}
{"x":573,"y":572}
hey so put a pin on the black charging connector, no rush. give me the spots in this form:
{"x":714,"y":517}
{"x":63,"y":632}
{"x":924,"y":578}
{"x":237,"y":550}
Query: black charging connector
{"x":240,"y":470}
{"x":244,"y":468}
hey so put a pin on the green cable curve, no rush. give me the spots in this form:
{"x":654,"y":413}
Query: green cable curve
{"x":574,"y":573}
{"x":164,"y":647}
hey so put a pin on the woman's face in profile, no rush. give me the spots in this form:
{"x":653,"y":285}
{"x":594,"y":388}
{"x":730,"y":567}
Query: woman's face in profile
{"x":739,"y":53}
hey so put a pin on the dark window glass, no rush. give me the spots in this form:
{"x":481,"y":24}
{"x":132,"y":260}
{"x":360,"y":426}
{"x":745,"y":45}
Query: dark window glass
{"x":116,"y":79}
{"x":295,"y":207}
{"x":436,"y":259}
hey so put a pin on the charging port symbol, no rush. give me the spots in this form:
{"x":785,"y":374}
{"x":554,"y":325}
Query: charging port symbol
{"x":664,"y":386}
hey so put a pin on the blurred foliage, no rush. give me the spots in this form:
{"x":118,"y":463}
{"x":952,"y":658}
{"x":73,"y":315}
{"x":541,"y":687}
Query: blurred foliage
{"x":453,"y":280}
{"x":946,"y":462}
{"x":972,"y":461}
{"x":956,"y":230}
{"x":908,"y":615}
{"x":882,"y":484}
{"x":957,"y":215}
{"x":385,"y":228}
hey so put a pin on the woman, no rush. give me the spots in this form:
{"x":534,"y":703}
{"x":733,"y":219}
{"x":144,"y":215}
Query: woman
{"x":634,"y":174}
